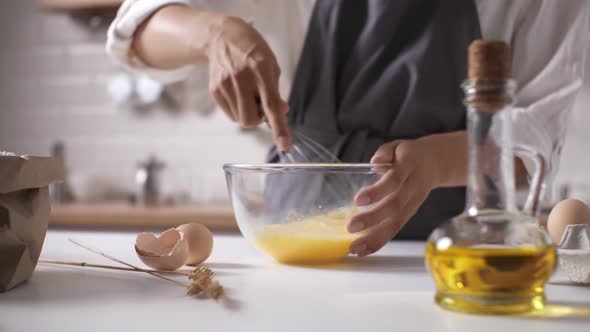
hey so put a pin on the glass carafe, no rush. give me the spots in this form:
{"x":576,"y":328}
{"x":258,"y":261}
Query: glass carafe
{"x":493,"y":258}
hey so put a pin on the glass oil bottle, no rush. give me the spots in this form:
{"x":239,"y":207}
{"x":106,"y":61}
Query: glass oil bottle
{"x":492,"y":259}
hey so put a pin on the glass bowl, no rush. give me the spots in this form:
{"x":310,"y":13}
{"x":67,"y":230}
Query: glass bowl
{"x":298,"y":213}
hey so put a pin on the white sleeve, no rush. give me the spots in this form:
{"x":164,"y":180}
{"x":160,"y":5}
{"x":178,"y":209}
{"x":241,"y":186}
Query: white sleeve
{"x":548,"y":55}
{"x":120,"y":38}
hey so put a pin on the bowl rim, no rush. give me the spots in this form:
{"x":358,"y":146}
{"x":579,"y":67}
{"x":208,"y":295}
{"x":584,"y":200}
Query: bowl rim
{"x":309,"y":167}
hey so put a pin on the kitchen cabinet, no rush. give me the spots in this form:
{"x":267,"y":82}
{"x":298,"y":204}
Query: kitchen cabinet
{"x":70,"y":5}
{"x":388,"y":291}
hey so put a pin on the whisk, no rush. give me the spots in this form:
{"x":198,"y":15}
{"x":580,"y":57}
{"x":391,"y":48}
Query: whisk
{"x":305,"y":149}
{"x":323,"y":190}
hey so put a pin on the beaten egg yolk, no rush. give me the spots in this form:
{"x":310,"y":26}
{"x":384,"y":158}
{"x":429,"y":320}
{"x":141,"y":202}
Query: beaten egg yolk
{"x":318,"y":239}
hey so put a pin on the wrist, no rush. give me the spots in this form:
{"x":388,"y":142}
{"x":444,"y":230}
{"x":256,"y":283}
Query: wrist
{"x":432,"y":162}
{"x":205,"y":29}
{"x":220,"y":28}
{"x":447,"y":158}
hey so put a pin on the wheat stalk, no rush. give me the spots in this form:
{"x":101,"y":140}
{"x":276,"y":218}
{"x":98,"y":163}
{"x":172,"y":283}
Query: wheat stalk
{"x":87,"y":247}
{"x":202,"y":277}
{"x":112,"y":267}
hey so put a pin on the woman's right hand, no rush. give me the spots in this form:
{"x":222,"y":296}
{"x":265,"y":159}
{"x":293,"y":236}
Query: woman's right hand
{"x":242,"y":71}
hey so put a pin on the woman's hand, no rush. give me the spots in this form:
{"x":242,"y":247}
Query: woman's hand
{"x":242,"y":68}
{"x":398,"y":194}
{"x":418,"y":166}
{"x":244,"y":72}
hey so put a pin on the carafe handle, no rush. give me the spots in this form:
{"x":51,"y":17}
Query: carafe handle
{"x":531,"y":207}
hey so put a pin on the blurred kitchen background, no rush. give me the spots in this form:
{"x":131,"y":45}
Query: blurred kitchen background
{"x":55,"y":87}
{"x":58,"y":85}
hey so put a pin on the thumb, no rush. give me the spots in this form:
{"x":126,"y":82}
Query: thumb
{"x":385,"y":154}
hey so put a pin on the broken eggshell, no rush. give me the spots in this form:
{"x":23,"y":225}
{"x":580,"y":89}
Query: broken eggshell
{"x":574,"y":253}
{"x":199,"y":241}
{"x":167,"y":252}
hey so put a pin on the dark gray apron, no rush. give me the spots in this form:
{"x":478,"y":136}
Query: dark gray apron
{"x":378,"y":70}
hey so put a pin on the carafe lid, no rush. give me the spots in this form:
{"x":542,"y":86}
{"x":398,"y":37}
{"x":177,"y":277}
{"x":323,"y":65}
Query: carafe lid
{"x":489,"y":60}
{"x":489,"y":87}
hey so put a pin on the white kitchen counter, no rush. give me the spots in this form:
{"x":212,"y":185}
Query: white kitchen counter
{"x":390,"y":291}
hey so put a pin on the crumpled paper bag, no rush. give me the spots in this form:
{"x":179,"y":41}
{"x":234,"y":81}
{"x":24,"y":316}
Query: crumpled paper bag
{"x":24,"y":212}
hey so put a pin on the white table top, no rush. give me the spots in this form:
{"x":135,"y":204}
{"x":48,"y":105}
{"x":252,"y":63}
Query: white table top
{"x":390,"y":291}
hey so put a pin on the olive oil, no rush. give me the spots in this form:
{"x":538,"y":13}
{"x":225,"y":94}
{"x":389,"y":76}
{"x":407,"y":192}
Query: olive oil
{"x":492,"y":258}
{"x":491,"y":279}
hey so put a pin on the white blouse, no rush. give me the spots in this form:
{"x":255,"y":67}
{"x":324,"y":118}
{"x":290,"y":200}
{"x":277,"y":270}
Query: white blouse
{"x":546,"y":36}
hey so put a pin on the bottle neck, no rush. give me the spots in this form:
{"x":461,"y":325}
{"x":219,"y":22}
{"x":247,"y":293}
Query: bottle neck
{"x":490,"y":182}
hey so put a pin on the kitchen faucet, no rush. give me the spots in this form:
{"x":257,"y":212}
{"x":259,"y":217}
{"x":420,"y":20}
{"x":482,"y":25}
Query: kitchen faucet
{"x":60,"y":192}
{"x":148,"y":181}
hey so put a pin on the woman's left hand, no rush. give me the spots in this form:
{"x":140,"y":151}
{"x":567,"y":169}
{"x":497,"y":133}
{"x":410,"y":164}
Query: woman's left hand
{"x":398,"y":194}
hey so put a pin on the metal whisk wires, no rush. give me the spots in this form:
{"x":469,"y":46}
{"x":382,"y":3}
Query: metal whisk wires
{"x":306,"y":150}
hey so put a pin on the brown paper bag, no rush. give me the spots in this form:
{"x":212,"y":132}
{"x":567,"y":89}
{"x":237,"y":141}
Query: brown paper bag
{"x":24,"y":211}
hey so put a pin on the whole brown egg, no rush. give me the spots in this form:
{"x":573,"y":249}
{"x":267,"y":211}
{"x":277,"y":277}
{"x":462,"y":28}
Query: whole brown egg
{"x":567,"y":212}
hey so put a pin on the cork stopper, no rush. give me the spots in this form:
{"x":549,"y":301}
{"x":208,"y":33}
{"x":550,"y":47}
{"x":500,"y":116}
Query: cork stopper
{"x":488,"y":87}
{"x":489,"y":60}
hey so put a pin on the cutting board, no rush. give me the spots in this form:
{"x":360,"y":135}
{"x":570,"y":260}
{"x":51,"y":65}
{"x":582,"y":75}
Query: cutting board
{"x":118,"y":216}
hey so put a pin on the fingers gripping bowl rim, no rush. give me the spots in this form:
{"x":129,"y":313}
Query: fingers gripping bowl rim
{"x":352,"y":168}
{"x":298,"y":213}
